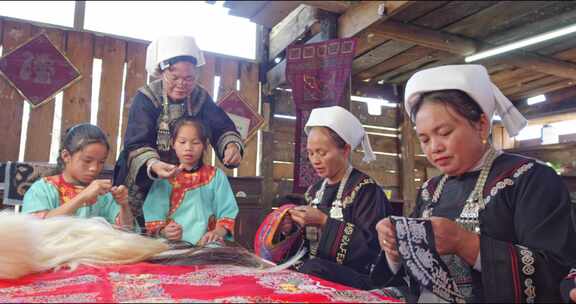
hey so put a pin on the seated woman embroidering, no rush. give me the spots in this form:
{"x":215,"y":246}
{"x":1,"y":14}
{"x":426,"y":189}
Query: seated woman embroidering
{"x":494,"y":227}
{"x":343,"y":209}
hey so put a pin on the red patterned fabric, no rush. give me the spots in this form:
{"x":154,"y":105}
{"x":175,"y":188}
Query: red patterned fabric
{"x":145,"y":282}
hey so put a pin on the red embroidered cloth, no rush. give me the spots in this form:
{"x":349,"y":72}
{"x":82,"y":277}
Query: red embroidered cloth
{"x":38,"y":70}
{"x":318,"y":74}
{"x":146,"y":282}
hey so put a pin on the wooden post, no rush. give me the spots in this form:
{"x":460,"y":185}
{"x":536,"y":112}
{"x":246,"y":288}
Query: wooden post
{"x":79,"y":14}
{"x":407,"y":164}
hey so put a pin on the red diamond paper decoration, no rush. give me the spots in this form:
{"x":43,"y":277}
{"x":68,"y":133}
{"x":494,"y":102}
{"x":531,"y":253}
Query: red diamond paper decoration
{"x":38,"y":70}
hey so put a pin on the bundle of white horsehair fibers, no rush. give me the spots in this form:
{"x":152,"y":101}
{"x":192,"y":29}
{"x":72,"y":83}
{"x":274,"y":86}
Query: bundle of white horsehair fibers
{"x":32,"y":245}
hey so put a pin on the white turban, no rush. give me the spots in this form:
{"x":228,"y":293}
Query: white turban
{"x":168,"y":47}
{"x":345,"y":124}
{"x":472,"y":79}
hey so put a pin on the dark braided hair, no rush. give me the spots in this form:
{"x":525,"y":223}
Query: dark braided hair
{"x":76,"y":138}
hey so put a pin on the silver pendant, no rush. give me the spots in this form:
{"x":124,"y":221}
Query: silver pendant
{"x":336,"y":213}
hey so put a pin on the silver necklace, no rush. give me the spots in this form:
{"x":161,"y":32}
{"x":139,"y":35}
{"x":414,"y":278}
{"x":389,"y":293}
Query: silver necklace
{"x":336,"y":210}
{"x":469,"y":217}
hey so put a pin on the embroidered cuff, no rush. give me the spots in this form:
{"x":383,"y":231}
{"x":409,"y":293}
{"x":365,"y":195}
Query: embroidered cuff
{"x":227,"y":223}
{"x":225,"y":139}
{"x":153,"y":228}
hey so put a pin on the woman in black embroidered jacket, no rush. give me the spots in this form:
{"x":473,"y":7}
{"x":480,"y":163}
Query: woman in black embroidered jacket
{"x":147,"y":153}
{"x":501,"y":222}
{"x":344,"y":207}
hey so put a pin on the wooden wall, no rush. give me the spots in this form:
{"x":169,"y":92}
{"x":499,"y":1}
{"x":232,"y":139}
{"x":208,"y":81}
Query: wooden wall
{"x":82,"y":48}
{"x":385,"y":143}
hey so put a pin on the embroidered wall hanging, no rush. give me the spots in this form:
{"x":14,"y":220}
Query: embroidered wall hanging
{"x":38,"y":70}
{"x":318,"y":74}
{"x":246,"y":119}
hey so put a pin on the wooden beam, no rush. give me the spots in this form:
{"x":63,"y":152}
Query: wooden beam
{"x":245,"y":9}
{"x":551,"y":87}
{"x":273,"y":12}
{"x":462,"y":47}
{"x":539,"y":63}
{"x":379,"y":54}
{"x":338,"y":7}
{"x":425,"y":37}
{"x":366,"y":13}
{"x":296,"y":24}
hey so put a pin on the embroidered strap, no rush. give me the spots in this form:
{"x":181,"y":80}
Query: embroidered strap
{"x":415,"y":239}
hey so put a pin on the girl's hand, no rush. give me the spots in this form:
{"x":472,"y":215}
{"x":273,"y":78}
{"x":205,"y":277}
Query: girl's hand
{"x":172,"y":231}
{"x":96,"y":188}
{"x":209,"y":237}
{"x":120,"y":194}
{"x":387,"y":239}
{"x":164,"y":170}
{"x":306,"y":215}
{"x":232,"y":156}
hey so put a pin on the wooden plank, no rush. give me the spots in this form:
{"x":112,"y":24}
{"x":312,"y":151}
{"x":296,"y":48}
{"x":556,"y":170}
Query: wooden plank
{"x":551,"y":87}
{"x":249,"y":89}
{"x":419,"y":10}
{"x":366,"y":13}
{"x":379,"y":54}
{"x":557,"y":19}
{"x":487,"y":21}
{"x":407,"y":163}
{"x":206,"y":80}
{"x":538,"y":82}
{"x":390,"y":77}
{"x":77,"y":98}
{"x":113,"y":58}
{"x":451,"y":13}
{"x":381,"y":169}
{"x":538,"y":63}
{"x":228,"y":78}
{"x":386,"y":119}
{"x":521,"y":82}
{"x":79,"y":14}
{"x":283,"y":151}
{"x":267,"y":168}
{"x":383,"y":143}
{"x":273,"y":12}
{"x":41,"y":118}
{"x":399,"y":60}
{"x":12,"y":103}
{"x":425,"y":37}
{"x":283,"y":103}
{"x":294,"y":26}
{"x":135,"y":77}
{"x":283,"y":171}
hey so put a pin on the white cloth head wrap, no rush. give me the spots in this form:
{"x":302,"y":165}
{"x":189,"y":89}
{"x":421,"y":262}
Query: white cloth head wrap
{"x":345,"y":124}
{"x":472,"y":79}
{"x":168,"y":47}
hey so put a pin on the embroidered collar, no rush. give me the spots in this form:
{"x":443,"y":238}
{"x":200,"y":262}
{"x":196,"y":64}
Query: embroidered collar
{"x":66,"y":190}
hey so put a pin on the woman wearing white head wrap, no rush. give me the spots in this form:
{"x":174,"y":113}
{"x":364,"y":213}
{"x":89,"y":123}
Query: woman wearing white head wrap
{"x":147,"y":153}
{"x":501,"y":222}
{"x":344,"y":207}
